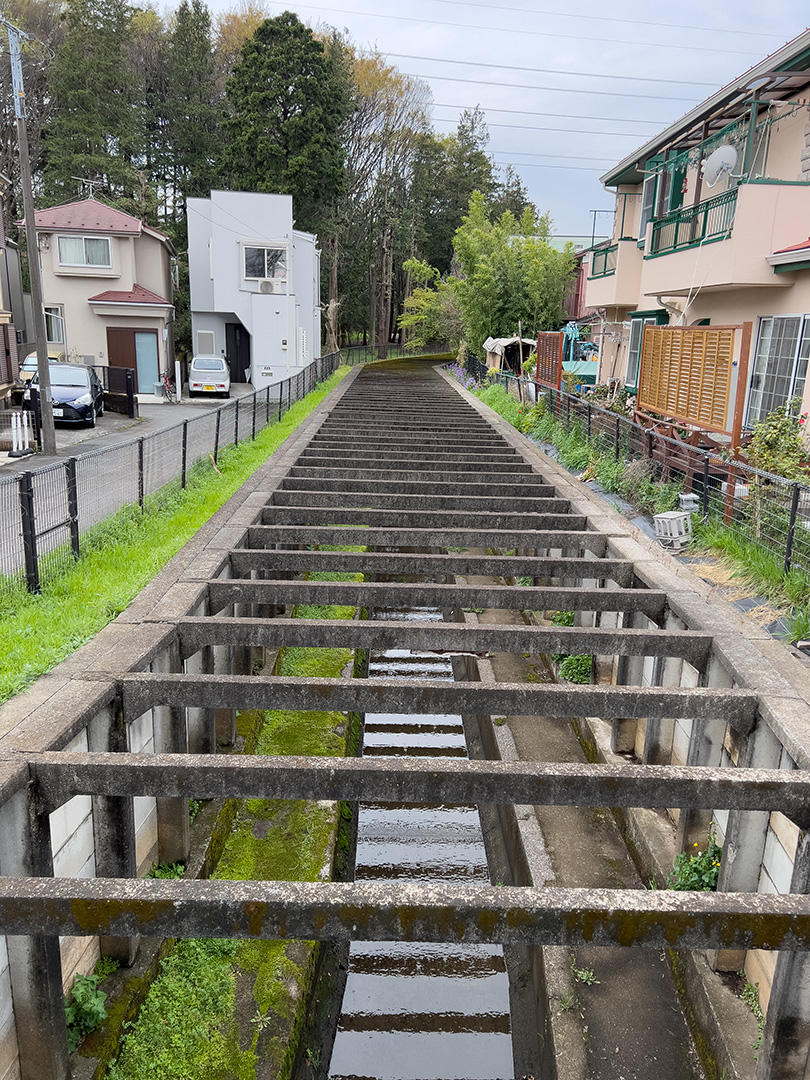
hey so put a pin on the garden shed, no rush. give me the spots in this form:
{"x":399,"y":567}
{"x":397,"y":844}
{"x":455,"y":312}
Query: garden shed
{"x":508,"y":354}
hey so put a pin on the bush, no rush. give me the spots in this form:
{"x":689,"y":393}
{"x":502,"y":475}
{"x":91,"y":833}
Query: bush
{"x":84,"y":1008}
{"x":577,"y":669}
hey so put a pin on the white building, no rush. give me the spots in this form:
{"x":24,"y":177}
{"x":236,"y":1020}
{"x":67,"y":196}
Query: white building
{"x":255,"y":285}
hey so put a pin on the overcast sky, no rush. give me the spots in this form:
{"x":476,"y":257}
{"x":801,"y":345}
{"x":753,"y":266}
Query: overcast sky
{"x":567,"y":93}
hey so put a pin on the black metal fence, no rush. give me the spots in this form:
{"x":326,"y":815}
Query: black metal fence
{"x":767,"y":510}
{"x":45,"y":512}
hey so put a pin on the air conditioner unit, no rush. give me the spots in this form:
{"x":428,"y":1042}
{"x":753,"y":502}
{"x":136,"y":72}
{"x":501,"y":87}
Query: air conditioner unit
{"x":267,"y":286}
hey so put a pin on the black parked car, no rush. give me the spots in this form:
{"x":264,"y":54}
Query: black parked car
{"x":78,"y":396}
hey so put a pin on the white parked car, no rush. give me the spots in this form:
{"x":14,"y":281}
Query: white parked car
{"x":209,"y":375}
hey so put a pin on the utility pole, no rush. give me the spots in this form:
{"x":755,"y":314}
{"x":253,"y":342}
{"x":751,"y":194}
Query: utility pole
{"x":40,"y":332}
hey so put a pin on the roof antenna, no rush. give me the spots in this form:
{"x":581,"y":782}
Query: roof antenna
{"x":87,"y":185}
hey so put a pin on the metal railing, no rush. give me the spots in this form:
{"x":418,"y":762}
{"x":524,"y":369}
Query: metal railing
{"x":603,"y":261}
{"x":767,"y":510}
{"x":709,"y":220}
{"x":44,"y":513}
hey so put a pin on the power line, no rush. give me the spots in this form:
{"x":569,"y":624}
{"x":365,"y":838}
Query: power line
{"x":566,"y":116}
{"x":608,"y":18}
{"x":538,"y":165}
{"x":554,"y":89}
{"x":550,"y":71}
{"x":528,"y":33}
{"x":565,"y":157}
{"x":563,"y":131}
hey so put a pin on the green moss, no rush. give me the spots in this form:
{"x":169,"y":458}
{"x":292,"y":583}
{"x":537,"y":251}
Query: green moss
{"x":257,"y":840}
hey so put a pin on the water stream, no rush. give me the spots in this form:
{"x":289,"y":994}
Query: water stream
{"x":416,"y":1011}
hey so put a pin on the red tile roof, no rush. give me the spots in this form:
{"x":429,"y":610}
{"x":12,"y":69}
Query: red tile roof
{"x":136,"y":295}
{"x":87,"y":215}
{"x":796,"y":247}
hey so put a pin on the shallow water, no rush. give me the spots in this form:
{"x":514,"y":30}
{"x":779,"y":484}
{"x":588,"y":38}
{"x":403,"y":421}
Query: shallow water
{"x":421,"y":1011}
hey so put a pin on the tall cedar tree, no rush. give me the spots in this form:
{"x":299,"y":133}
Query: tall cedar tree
{"x":95,"y":128}
{"x":193,"y":109}
{"x":288,"y":101}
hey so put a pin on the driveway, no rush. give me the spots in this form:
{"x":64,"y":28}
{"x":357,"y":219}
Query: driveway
{"x":112,"y":429}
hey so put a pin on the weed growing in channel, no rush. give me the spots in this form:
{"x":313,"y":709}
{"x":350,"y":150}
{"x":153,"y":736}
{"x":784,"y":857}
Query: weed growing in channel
{"x":697,"y":871}
{"x":84,"y":1008}
{"x":165,"y":871}
{"x":750,"y":996}
{"x":585,"y":975}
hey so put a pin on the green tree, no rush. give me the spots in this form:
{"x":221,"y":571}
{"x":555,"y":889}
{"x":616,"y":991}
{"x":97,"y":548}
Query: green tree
{"x":288,"y":101}
{"x":94,"y":131}
{"x":194,"y":109}
{"x":449,"y":170}
{"x":431,"y":314}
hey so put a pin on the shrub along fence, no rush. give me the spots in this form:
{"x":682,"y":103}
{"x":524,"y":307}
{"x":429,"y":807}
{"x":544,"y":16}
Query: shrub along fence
{"x":767,"y":510}
{"x":45,"y":512}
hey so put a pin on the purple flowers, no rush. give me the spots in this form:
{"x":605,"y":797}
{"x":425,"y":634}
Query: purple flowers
{"x":468,"y":381}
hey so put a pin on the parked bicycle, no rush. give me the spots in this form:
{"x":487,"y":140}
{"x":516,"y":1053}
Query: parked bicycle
{"x":168,"y":388}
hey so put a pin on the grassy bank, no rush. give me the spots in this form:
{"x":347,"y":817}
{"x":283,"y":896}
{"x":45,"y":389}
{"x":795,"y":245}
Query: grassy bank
{"x":124,"y":553}
{"x":219,"y":1008}
{"x":748,"y":561}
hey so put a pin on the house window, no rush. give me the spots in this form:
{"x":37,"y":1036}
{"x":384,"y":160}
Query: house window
{"x":637,"y":324}
{"x":647,"y":204}
{"x":780,"y":364}
{"x":54,"y":326}
{"x":265,"y":262}
{"x":84,"y":251}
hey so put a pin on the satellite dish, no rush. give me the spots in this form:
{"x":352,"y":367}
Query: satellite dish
{"x":721,"y":161}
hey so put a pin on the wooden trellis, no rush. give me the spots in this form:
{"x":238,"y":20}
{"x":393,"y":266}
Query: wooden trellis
{"x":548,"y":371}
{"x":687,"y":374}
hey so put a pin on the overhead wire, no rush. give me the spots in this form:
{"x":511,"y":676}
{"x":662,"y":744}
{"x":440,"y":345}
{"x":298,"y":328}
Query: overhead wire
{"x":611,"y":18}
{"x":524,"y":32}
{"x":552,"y":71}
{"x":567,"y":116}
{"x":564,"y":131}
{"x":553,"y":89}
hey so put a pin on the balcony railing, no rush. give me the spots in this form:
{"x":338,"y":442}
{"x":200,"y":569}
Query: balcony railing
{"x":603,"y":261}
{"x":709,"y":220}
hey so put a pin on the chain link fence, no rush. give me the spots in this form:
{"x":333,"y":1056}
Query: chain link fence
{"x":44,"y":513}
{"x":767,"y":510}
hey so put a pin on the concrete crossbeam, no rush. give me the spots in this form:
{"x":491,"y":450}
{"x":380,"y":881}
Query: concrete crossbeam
{"x":738,"y":708}
{"x":198,"y":632}
{"x":222,"y":592}
{"x":243,"y":560}
{"x":58,"y":777}
{"x":426,"y":501}
{"x":370,"y":911}
{"x":444,"y":519}
{"x":412,"y":484}
{"x":261,"y":536}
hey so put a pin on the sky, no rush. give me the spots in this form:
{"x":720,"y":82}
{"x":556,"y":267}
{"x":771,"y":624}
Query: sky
{"x":568,"y":89}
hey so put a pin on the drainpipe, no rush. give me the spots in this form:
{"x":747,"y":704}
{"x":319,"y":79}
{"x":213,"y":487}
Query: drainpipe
{"x":673,"y":309}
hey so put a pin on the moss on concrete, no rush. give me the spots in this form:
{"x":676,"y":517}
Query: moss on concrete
{"x":219,"y":1008}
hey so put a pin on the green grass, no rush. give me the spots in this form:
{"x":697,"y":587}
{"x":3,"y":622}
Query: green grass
{"x":193,"y":1024}
{"x":124,"y":554}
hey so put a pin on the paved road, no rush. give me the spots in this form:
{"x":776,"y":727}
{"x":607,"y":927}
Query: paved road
{"x":112,"y":429}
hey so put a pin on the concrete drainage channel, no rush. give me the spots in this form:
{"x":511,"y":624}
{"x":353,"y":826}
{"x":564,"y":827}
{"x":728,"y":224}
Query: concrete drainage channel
{"x":694,"y":717}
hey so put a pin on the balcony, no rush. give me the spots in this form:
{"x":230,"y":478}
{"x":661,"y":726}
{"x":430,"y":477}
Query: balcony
{"x":708,"y":221}
{"x":614,"y":276}
{"x":765,"y":218}
{"x":603,"y":261}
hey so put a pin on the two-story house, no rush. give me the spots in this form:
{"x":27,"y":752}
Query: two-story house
{"x":107,"y":288}
{"x":711,"y":228}
{"x":255,"y":285}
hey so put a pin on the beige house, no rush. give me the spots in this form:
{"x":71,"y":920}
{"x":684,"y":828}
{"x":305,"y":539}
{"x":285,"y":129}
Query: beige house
{"x":711,"y":228}
{"x":107,"y":288}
